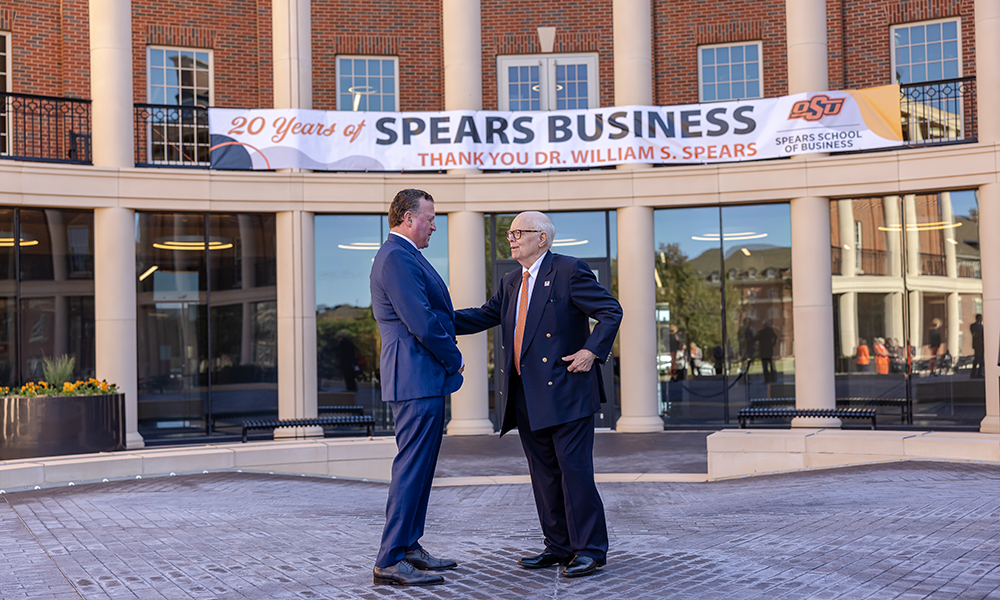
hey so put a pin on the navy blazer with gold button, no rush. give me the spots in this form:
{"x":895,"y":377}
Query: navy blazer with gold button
{"x":566,"y":295}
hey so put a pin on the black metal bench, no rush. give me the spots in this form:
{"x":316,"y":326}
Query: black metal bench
{"x":749,"y":414}
{"x":342,"y":410}
{"x":902,"y":403}
{"x":366,"y":421}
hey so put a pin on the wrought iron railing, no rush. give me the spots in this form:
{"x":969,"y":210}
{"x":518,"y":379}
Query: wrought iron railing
{"x":969,"y":267}
{"x":835,"y":260}
{"x":170,"y":135}
{"x":933,"y":264}
{"x":939,"y":112}
{"x":44,"y":128}
{"x":873,"y":262}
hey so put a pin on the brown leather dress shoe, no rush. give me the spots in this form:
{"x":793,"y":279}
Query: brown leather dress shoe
{"x":581,"y":566}
{"x":403,"y":573}
{"x":422,"y":560}
{"x":543,"y":560}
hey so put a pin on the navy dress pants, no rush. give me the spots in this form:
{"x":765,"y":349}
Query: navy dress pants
{"x":419,"y":426}
{"x":561,"y":464}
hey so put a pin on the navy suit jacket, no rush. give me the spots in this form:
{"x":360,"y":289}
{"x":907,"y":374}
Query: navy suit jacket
{"x":565,"y":297}
{"x":420,"y":356}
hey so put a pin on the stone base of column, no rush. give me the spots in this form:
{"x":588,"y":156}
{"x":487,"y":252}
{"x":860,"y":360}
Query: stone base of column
{"x":990,"y":424}
{"x":298,"y":432}
{"x":134,"y":441}
{"x":638,"y":424}
{"x":816,"y":423}
{"x":469,"y":427}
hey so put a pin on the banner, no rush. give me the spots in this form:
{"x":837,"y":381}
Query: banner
{"x":834,"y":121}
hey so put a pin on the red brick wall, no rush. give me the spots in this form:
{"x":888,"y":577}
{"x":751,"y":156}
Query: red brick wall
{"x":238,"y":33}
{"x":511,"y":27}
{"x":50,"y":46}
{"x":867,"y":43}
{"x":680,"y":27}
{"x":409,"y":30}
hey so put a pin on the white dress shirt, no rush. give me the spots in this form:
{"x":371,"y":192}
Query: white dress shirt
{"x":532,"y":276}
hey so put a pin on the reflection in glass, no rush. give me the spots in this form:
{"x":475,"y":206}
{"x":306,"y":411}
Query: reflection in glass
{"x":8,"y":300}
{"x":172,"y":323}
{"x":735,"y":257}
{"x":56,"y":289}
{"x":907,"y":289}
{"x":347,"y":337}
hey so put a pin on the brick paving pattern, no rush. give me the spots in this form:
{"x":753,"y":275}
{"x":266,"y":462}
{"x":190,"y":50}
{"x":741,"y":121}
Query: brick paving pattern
{"x":908,"y":530}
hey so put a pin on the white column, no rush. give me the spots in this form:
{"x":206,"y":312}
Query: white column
{"x":989,"y":251}
{"x":461,"y":30}
{"x":893,"y":304}
{"x":470,"y":406}
{"x":912,"y":235}
{"x":112,"y":132}
{"x":894,"y":301}
{"x":848,"y":269}
{"x":916,"y":299}
{"x":954,"y":314}
{"x":637,"y":294}
{"x":988,"y":97}
{"x":292,"y":47}
{"x":812,"y":309}
{"x":115,"y":310}
{"x":296,"y":255}
{"x":633,"y":56}
{"x":988,"y":73}
{"x":805,"y":22}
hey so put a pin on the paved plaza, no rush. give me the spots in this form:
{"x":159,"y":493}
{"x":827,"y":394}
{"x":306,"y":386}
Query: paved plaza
{"x":904,"y":530}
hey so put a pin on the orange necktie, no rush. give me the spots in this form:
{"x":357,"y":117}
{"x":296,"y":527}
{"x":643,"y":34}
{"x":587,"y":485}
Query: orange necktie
{"x":522,"y":316}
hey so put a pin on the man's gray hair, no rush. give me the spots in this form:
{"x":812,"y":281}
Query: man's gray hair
{"x":541,"y":221}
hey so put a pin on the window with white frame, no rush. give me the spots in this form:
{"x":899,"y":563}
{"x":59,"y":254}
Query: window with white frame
{"x":729,"y":72}
{"x":547,"y":82}
{"x":5,"y":86}
{"x":928,"y":51}
{"x":177,"y":77}
{"x":367,"y":83}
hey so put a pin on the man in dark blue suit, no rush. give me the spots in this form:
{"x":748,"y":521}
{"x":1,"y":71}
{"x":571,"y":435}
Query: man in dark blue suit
{"x":549,"y":389}
{"x":420,"y":364}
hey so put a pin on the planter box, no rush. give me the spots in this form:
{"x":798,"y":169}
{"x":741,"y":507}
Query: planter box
{"x":44,"y":426}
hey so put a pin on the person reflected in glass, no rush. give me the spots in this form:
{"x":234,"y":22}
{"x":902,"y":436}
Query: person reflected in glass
{"x":676,"y":347}
{"x":978,"y":348}
{"x":748,"y":342}
{"x":766,"y":340}
{"x":881,"y":356}
{"x":347,"y":360}
{"x":862,"y":356}
{"x":695,"y":356}
{"x":934,"y":344}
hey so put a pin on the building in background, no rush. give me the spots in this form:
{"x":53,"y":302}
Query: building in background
{"x":212,"y":296}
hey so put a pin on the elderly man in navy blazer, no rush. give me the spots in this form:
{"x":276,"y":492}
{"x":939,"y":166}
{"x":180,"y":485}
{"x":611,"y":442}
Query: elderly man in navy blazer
{"x":550,"y":388}
{"x":420,"y":364}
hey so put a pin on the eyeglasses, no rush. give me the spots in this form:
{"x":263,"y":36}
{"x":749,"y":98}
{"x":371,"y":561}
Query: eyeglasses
{"x":515,"y":234}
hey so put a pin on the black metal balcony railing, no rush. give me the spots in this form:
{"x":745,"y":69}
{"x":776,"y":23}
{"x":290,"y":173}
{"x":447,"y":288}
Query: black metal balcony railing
{"x":874,"y":262}
{"x":933,"y":264}
{"x":835,"y":260}
{"x":169,"y":135}
{"x":939,"y":112}
{"x":44,"y":128}
{"x":969,"y":267}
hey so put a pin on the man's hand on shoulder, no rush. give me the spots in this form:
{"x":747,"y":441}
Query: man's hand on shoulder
{"x":580,"y":362}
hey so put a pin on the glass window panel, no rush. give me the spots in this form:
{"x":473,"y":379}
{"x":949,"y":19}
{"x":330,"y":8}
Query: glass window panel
{"x":934,"y":71}
{"x":751,"y":52}
{"x":708,"y":92}
{"x":950,"y":50}
{"x":722,"y":55}
{"x":571,"y":89}
{"x":752,"y":71}
{"x":902,"y":55}
{"x":171,"y":76}
{"x":950,"y":69}
{"x":388,"y":68}
{"x":736,"y":72}
{"x":708,"y":75}
{"x":360,"y":67}
{"x":374,"y":67}
{"x":902,"y":36}
{"x":736,"y":54}
{"x":156,"y":57}
{"x":345,"y":66}
{"x":933,"y":32}
{"x":753,"y":89}
{"x":722,"y":91}
{"x":560,"y":72}
{"x":903,"y":74}
{"x":934,"y":51}
{"x":918,"y":54}
{"x":156,"y":95}
{"x":917,"y":34}
{"x":949,"y":30}
{"x":722,"y":73}
{"x":707,"y":56}
{"x":738,"y":90}
{"x":918,"y":73}
{"x":581,"y":72}
{"x":582,"y":103}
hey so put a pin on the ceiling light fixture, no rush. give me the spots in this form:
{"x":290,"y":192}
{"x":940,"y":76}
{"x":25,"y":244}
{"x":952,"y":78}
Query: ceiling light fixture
{"x":360,"y":246}
{"x":569,"y":242}
{"x":148,"y":272}
{"x":729,"y":237}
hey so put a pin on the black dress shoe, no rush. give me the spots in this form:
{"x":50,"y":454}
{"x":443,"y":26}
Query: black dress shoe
{"x":581,"y":566}
{"x":545,"y":559}
{"x":403,"y":573}
{"x":422,"y":560}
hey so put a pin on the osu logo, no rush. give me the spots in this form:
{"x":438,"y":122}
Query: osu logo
{"x":816,"y":108}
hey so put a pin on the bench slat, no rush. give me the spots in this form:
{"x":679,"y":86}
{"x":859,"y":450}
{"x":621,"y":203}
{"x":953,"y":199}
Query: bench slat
{"x":367,"y":420}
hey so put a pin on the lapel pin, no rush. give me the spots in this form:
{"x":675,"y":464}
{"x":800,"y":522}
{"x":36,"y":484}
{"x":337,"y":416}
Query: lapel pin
{"x":546,"y":284}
